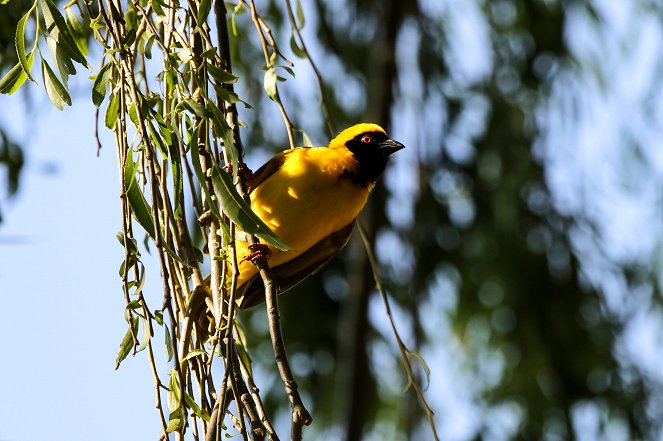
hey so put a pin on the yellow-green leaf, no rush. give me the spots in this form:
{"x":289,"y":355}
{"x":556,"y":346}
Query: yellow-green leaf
{"x":239,"y":211}
{"x":54,"y":88}
{"x":139,"y":206}
{"x":127,"y":343}
{"x":15,"y":78}
{"x":20,"y":44}
{"x":101,"y":84}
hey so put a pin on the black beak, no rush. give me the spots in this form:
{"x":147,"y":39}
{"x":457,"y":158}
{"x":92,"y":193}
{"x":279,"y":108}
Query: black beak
{"x":390,"y":146}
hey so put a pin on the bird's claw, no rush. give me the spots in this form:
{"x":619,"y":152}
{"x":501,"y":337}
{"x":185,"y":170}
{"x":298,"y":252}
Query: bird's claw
{"x":242,"y":170}
{"x":258,"y":251}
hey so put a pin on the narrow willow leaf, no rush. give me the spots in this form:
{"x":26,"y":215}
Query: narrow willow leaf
{"x":195,"y":107}
{"x":145,"y":338}
{"x":139,"y":205}
{"x":301,"y":53}
{"x":203,"y":11}
{"x":239,"y":211}
{"x":127,"y":343}
{"x":158,"y":316}
{"x":195,"y":408}
{"x":193,"y":353}
{"x":129,"y":38}
{"x":78,"y":31}
{"x":424,"y":365}
{"x":112,"y":111}
{"x":270,"y":83}
{"x":221,"y":75}
{"x":300,"y":14}
{"x":197,"y":168}
{"x":62,"y":61}
{"x":175,"y":421}
{"x":57,"y":28}
{"x":209,"y":53}
{"x":100,"y":85}
{"x":178,"y":178}
{"x":20,"y":44}
{"x":173,"y":391}
{"x":222,"y":130}
{"x":229,"y":97}
{"x":148,"y":47}
{"x":287,"y":69}
{"x":157,"y":7}
{"x":54,"y":88}
{"x":156,"y":137}
{"x":15,"y":78}
{"x":236,"y":11}
{"x":169,"y":341}
{"x":133,"y":305}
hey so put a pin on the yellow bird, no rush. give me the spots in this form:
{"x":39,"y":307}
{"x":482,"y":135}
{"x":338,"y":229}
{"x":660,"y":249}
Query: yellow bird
{"x":310,"y":197}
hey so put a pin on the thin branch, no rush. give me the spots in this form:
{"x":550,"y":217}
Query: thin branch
{"x":316,"y":71}
{"x":405,"y":352}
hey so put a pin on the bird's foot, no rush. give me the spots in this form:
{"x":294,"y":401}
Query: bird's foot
{"x":242,"y":170}
{"x":258,"y":251}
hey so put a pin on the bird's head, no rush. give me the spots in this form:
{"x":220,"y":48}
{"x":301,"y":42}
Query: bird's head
{"x":370,"y":146}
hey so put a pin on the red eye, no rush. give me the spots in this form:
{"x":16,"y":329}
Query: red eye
{"x":366,"y":139}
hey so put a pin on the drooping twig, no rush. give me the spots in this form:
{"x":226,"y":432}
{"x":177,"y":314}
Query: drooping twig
{"x":405,"y":352}
{"x":300,"y":415}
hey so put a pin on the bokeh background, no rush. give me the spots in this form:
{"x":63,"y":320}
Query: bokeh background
{"x":519,"y":234}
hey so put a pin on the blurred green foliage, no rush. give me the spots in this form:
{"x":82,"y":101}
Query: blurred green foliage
{"x":532,"y":337}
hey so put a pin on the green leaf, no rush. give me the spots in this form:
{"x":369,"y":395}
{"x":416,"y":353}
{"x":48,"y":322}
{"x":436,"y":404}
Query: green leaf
{"x":222,"y":129}
{"x":54,"y":88}
{"x":300,"y":14}
{"x":157,"y":7}
{"x":230,"y":97}
{"x":203,"y":11}
{"x":194,"y":353}
{"x":221,"y":75}
{"x":129,"y":38}
{"x":62,"y":61}
{"x":133,"y":305}
{"x":127,"y":343}
{"x":148,"y":47}
{"x":301,"y":53}
{"x":195,"y":107}
{"x":20,"y":44}
{"x":270,"y":83}
{"x":209,"y":53}
{"x":78,"y":31}
{"x":112,"y":111}
{"x":145,"y":339}
{"x":195,"y":408}
{"x":15,"y":78}
{"x":101,"y":84}
{"x":197,"y":168}
{"x":57,"y":28}
{"x":239,"y":211}
{"x":158,"y":316}
{"x":424,"y":365}
{"x":169,"y":341}
{"x":173,"y":395}
{"x":175,"y":421}
{"x":141,"y":209}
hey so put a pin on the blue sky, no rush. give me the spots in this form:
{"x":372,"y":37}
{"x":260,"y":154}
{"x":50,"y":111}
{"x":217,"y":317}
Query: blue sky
{"x":61,"y":317}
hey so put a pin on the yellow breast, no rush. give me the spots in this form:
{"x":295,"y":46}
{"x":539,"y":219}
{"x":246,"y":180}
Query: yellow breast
{"x":305,"y":201}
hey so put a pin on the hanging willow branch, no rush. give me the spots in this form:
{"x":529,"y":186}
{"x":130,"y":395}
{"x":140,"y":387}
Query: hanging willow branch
{"x":176,"y":133}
